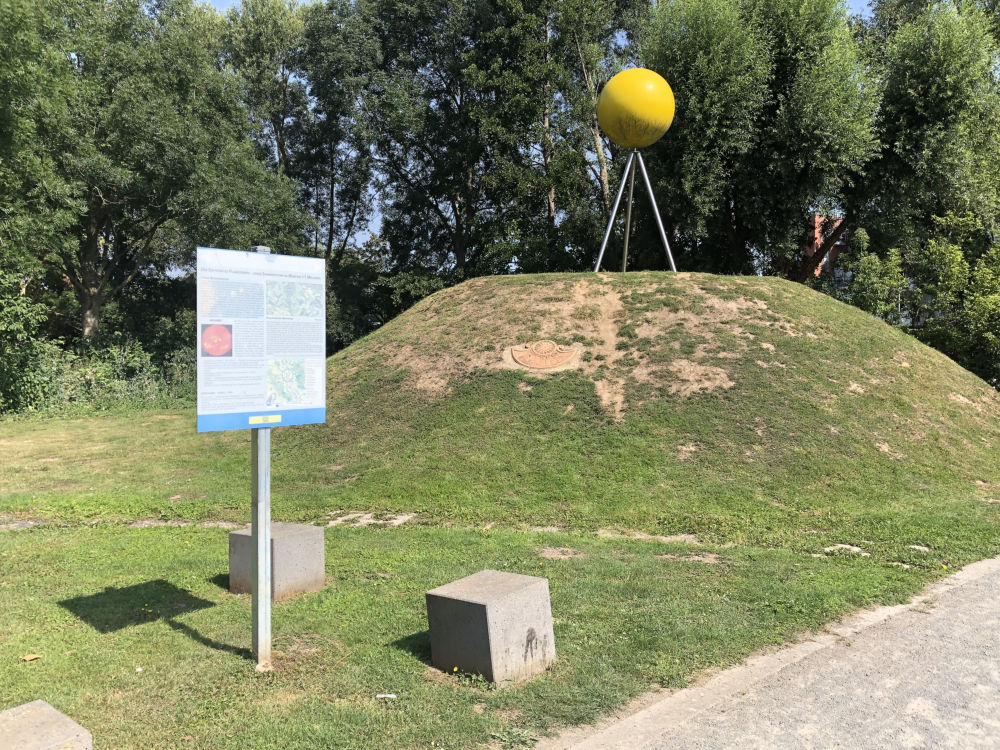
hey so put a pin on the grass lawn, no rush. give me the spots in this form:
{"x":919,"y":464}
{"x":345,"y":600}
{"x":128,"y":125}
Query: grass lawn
{"x":766,"y":429}
{"x":100,"y":602}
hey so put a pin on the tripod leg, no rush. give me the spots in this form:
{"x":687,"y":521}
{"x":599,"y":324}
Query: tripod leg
{"x":656,"y":212}
{"x":628,"y":215}
{"x":614,"y":210}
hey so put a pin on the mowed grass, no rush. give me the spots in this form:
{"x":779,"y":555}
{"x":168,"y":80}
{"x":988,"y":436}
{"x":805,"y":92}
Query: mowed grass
{"x":100,"y":603}
{"x":766,"y":421}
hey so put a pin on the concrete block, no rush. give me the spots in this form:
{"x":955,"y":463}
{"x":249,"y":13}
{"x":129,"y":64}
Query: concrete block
{"x":492,"y":623}
{"x":298,"y":560}
{"x":38,"y":726}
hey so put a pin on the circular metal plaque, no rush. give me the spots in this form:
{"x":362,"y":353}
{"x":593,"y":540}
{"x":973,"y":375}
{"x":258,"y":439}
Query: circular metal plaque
{"x":542,"y":355}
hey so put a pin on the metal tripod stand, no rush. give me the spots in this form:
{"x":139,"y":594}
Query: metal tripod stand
{"x":634,"y":158}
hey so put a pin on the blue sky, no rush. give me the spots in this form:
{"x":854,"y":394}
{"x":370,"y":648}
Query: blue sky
{"x":857,"y":6}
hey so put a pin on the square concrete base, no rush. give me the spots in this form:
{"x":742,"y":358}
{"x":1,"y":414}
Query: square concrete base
{"x":495,"y":624}
{"x":38,"y":726}
{"x":298,"y":562}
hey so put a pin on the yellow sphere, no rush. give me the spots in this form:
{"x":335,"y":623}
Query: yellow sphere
{"x":636,"y":108}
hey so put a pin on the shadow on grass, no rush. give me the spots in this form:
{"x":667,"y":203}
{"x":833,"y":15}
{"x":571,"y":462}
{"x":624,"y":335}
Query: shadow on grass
{"x":204,"y":640}
{"x":221,"y":580}
{"x":418,"y":644}
{"x":118,"y":608}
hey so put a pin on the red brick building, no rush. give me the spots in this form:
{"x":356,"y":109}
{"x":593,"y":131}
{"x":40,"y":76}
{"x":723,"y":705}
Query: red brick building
{"x":813,"y":240}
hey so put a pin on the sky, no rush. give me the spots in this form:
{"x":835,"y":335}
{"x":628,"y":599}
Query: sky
{"x":857,"y":6}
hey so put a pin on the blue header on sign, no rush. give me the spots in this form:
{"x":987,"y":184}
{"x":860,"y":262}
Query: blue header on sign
{"x":250,"y":419}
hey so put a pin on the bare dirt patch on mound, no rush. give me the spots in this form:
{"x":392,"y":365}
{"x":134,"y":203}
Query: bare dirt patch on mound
{"x":675,"y":337}
{"x":693,"y":378}
{"x":684,"y":452}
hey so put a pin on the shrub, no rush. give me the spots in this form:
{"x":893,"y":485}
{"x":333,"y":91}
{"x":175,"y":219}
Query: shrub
{"x":27,"y":360}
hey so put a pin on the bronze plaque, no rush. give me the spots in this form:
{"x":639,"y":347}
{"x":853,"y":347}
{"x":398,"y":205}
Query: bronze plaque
{"x":542,"y":355}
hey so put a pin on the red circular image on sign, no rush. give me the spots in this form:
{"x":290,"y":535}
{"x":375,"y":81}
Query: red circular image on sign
{"x":217,"y":340}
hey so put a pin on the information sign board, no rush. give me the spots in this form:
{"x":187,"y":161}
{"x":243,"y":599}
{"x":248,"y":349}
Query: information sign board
{"x":261,"y":340}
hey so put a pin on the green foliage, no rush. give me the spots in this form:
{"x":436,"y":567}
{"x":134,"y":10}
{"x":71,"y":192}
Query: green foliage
{"x":113,"y":373}
{"x":337,"y":54}
{"x":482,"y":117}
{"x":261,"y":40}
{"x":928,"y":206}
{"x":877,"y":285}
{"x":939,"y":125}
{"x":981,"y":315}
{"x":944,"y":291}
{"x":34,"y":75}
{"x":775,"y":113}
{"x":145,"y":152}
{"x":27,"y":360}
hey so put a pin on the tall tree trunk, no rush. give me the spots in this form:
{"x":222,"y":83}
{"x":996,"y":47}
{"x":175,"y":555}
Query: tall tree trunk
{"x":736,"y":243}
{"x":458,"y":238}
{"x":278,"y":124}
{"x":595,"y":130}
{"x":602,"y":163}
{"x":331,"y":212}
{"x":463,"y":218}
{"x":91,"y":314}
{"x":548,"y":145}
{"x":88,"y":291}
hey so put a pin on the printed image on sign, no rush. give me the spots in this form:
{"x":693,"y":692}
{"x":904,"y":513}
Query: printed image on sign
{"x":216,"y":341}
{"x":261,"y":340}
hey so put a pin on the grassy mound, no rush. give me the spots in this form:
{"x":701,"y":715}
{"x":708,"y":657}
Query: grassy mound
{"x":731,"y":461}
{"x":746,"y":410}
{"x":743,"y":410}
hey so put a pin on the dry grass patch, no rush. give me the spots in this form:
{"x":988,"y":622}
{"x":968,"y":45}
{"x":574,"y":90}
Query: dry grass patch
{"x":360,"y":519}
{"x":849,"y":548}
{"x":684,"y":452}
{"x":561,"y":553}
{"x":707,"y":558}
{"x":642,"y":536}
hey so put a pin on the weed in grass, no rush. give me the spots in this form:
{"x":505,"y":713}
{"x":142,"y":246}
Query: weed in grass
{"x":513,"y":737}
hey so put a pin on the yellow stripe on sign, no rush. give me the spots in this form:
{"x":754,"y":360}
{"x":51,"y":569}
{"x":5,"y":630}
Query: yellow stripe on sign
{"x":266,"y":419}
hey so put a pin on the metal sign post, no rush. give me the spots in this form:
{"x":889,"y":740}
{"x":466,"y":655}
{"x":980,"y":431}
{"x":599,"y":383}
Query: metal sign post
{"x":260,"y":532}
{"x":260,"y":464}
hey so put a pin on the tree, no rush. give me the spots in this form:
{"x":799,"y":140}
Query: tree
{"x":888,"y":15}
{"x":945,"y":291}
{"x":930,"y":201}
{"x":425,"y":115}
{"x":584,"y":44}
{"x":939,"y":127}
{"x":774,"y":123}
{"x":333,"y":161}
{"x":27,"y":359}
{"x":981,"y":314}
{"x":262,"y":42}
{"x":482,"y":116}
{"x":33,"y":75}
{"x":148,"y":152}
